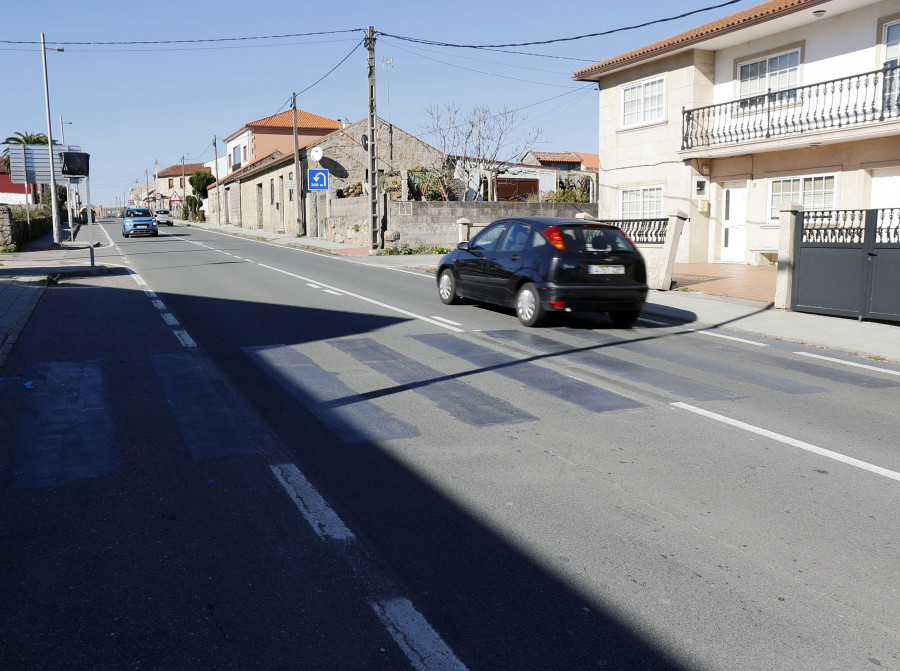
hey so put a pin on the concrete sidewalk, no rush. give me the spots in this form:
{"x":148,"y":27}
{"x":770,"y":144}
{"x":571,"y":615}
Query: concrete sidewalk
{"x":23,"y":277}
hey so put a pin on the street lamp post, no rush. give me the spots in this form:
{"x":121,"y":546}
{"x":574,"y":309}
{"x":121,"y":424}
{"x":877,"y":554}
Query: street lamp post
{"x":54,"y":208}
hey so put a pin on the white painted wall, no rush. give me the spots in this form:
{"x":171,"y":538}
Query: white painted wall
{"x":833,"y":47}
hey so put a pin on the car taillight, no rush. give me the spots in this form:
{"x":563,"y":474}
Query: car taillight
{"x":558,"y":305}
{"x":554,"y":237}
{"x":628,"y":238}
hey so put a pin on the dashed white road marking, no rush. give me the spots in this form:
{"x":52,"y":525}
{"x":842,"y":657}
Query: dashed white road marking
{"x":366,"y":299}
{"x":333,"y":293}
{"x":158,"y":304}
{"x":864,"y":465}
{"x":421,"y":644}
{"x":736,"y":339}
{"x":446,"y":321}
{"x":653,"y":321}
{"x":323,"y":520}
{"x":184,"y":338}
{"x":849,"y":363}
{"x":170,"y":319}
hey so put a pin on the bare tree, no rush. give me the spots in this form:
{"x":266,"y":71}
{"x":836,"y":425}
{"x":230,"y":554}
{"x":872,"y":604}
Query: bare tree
{"x":478,"y":142}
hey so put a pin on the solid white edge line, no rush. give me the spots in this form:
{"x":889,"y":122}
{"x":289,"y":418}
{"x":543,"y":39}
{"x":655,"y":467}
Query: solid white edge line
{"x":420,"y":643}
{"x":184,"y":338}
{"x":850,"y":461}
{"x":367,"y":300}
{"x":848,"y":363}
{"x":446,"y":321}
{"x":653,"y":321}
{"x":323,"y":520}
{"x":728,"y":337}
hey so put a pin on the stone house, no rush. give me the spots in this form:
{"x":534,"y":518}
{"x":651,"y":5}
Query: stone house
{"x":174,"y":181}
{"x":262,"y":193}
{"x":786,"y":101}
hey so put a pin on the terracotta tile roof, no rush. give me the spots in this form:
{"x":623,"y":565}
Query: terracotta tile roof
{"x":765,"y":11}
{"x":244,"y":168}
{"x":304,"y":120}
{"x":589,"y":161}
{"x":557,"y":156}
{"x":175,"y":170}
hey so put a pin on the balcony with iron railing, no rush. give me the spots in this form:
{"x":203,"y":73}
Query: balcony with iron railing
{"x":857,"y":101}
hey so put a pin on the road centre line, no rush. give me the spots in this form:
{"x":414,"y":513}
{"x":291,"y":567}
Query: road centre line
{"x":323,"y":520}
{"x":421,"y":644}
{"x":728,"y":337}
{"x":367,"y":300}
{"x":184,"y":339}
{"x":850,"y":461}
{"x":848,"y":363}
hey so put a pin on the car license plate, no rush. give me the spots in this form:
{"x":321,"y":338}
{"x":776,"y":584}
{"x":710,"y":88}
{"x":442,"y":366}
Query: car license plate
{"x":606,"y":270}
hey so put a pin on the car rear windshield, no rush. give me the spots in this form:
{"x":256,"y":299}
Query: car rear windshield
{"x":162,"y":212}
{"x":138,"y":213}
{"x":595,"y":239}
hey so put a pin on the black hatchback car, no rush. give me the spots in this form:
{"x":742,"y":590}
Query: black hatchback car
{"x":540,"y":265}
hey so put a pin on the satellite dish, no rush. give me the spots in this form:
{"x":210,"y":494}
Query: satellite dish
{"x":316,"y":153}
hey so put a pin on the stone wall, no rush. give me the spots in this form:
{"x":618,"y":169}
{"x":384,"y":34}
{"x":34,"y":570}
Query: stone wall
{"x":15,"y":231}
{"x":347,"y":221}
{"x":434,"y":223}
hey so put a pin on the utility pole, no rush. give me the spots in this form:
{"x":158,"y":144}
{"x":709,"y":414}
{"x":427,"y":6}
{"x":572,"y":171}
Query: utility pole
{"x":182,"y":185}
{"x":54,"y":209}
{"x":218,"y":186}
{"x":374,"y":223}
{"x":298,"y":178}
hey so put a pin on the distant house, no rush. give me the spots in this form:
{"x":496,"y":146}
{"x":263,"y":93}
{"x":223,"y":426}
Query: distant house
{"x":174,"y":181}
{"x":262,"y":137}
{"x":10,"y":193}
{"x":260,"y":194}
{"x":786,"y":101}
{"x":572,"y":165}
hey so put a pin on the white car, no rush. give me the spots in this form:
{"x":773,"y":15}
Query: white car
{"x":162,"y":217}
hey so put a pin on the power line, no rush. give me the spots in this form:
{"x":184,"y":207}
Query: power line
{"x":197,"y":41}
{"x":560,"y":39}
{"x":482,"y":72}
{"x":358,"y":44}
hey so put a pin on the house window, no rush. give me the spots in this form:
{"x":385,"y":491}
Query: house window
{"x":272,"y":191}
{"x":813,"y":193}
{"x":643,"y":202}
{"x":644,"y":102}
{"x":181,"y":182}
{"x":776,"y":73}
{"x":290,"y":191}
{"x":236,"y":158}
{"x":891,"y":95}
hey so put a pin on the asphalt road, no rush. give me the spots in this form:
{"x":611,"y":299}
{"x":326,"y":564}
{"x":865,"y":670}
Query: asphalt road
{"x":229,"y":454}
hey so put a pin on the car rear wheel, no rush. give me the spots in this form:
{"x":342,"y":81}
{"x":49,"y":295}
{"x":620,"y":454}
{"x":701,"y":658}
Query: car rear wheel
{"x":528,"y":306}
{"x":124,"y":234}
{"x":624,"y":318}
{"x":447,"y":288}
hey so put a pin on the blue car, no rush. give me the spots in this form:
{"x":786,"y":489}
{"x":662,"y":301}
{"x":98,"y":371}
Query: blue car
{"x":138,"y":220}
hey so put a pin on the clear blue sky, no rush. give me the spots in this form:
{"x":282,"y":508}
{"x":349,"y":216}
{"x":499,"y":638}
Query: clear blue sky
{"x":132,"y":105}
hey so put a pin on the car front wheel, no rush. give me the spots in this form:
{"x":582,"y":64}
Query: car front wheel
{"x":528,"y":306}
{"x":447,"y":288}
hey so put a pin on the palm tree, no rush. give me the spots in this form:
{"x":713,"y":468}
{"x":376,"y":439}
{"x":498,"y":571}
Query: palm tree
{"x":23,"y":138}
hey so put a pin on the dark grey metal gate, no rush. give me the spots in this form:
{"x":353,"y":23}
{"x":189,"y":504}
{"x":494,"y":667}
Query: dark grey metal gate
{"x":847,"y":263}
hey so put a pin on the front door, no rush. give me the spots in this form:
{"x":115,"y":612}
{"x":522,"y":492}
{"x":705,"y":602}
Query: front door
{"x":734,"y":223}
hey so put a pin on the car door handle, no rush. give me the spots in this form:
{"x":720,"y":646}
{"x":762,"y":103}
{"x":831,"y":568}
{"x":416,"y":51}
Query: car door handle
{"x":514,"y":257}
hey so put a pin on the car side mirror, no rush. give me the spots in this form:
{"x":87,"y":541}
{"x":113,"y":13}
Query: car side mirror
{"x":463,"y":245}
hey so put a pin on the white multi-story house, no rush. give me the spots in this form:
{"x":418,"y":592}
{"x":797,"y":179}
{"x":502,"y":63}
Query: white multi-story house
{"x":787,"y":101}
